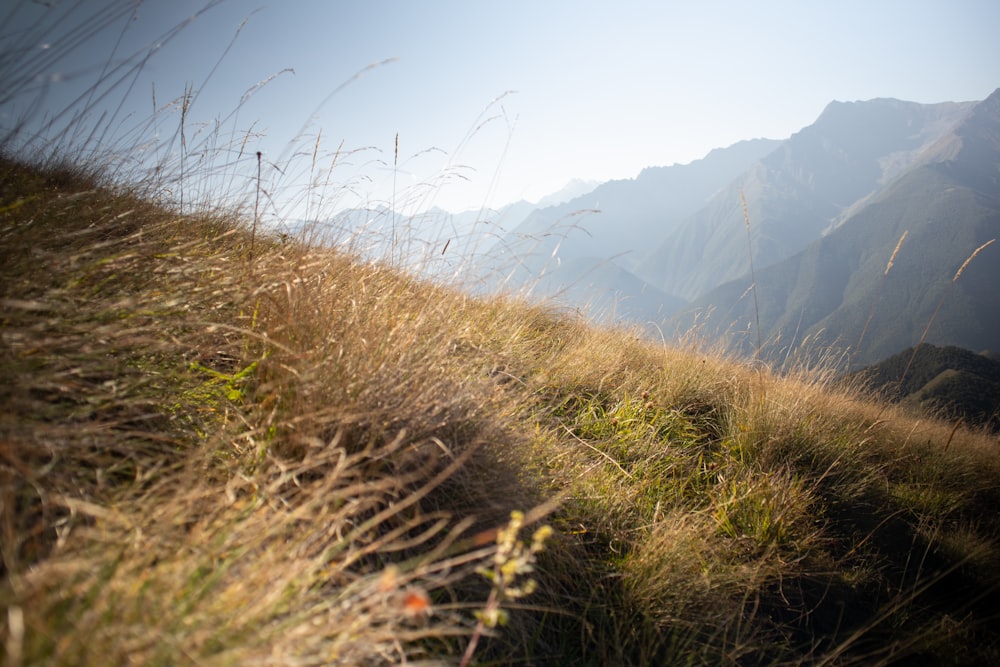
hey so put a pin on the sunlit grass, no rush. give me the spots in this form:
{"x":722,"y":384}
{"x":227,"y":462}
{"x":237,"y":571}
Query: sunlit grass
{"x":309,"y":455}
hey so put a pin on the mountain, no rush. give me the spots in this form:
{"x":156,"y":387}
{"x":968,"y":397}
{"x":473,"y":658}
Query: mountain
{"x":943,"y":381}
{"x":826,"y":207}
{"x":797,"y":192}
{"x":619,"y":218}
{"x":837,"y":291}
{"x":436,"y":243}
{"x":567,"y":250}
{"x":604,"y":292}
{"x":577,"y":187}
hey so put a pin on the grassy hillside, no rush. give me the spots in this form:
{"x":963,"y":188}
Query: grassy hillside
{"x":227,"y":449}
{"x":946,"y":381}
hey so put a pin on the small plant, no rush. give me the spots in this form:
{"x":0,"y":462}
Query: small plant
{"x":511,"y":563}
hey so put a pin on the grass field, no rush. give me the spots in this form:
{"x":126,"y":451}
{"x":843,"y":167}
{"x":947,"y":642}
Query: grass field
{"x":298,"y":457}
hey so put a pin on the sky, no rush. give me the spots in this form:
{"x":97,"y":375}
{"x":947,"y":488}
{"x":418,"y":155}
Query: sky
{"x":498,"y":101}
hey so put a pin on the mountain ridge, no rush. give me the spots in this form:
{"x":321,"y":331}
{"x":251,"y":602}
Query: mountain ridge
{"x":795,"y":193}
{"x":949,"y":382}
{"x":948,"y":208}
{"x":611,"y":222}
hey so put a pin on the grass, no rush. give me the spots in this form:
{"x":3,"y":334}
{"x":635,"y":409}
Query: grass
{"x":176,"y":434}
{"x":311,"y":461}
{"x":222,"y":446}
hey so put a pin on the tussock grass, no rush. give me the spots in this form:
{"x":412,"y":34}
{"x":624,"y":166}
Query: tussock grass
{"x":307,"y":458}
{"x":180,"y":425}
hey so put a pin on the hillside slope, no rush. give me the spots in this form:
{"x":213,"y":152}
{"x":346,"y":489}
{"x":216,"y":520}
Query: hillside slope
{"x":224,"y":448}
{"x":947,"y":381}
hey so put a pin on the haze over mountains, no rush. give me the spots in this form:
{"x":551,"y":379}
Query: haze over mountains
{"x":827,"y":206}
{"x":797,"y":191}
{"x":618,"y":221}
{"x":946,"y":198}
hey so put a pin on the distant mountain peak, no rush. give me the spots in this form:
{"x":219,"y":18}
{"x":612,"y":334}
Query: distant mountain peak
{"x":576,"y":187}
{"x":932,"y":171}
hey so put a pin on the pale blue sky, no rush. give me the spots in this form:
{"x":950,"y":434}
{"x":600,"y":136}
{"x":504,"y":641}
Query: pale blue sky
{"x":602,"y":89}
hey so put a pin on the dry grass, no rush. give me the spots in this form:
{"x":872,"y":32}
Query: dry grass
{"x":306,"y":458}
{"x":228,"y":462}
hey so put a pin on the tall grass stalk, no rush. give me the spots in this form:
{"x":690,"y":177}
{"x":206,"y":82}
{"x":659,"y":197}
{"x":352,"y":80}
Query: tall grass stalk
{"x":878,"y":293}
{"x":186,"y":100}
{"x":395,"y":171}
{"x":753,"y":278}
{"x":944,"y":295}
{"x":256,"y":210}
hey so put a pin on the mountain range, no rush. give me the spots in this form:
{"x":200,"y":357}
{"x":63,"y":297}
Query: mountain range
{"x":840,"y":289}
{"x":820,"y":214}
{"x":824,"y":211}
{"x":616,"y":219}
